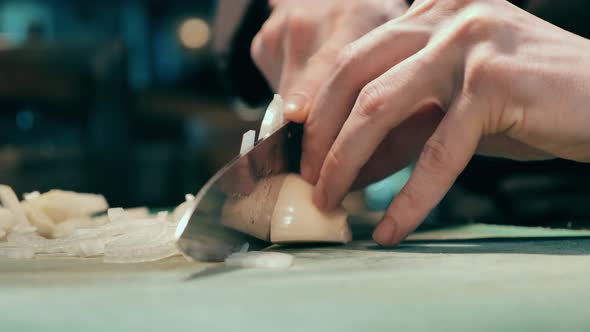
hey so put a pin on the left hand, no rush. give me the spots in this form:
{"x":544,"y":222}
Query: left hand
{"x":486,"y":76}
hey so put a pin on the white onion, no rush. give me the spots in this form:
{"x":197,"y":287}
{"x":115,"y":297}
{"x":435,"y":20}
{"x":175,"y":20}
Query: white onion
{"x":32,"y":195}
{"x":91,"y":248}
{"x":69,"y":226}
{"x":115,"y":214}
{"x":10,"y":201}
{"x":62,"y":205}
{"x":120,"y":236}
{"x":260,"y":259}
{"x":6,"y":219}
{"x":45,"y":226}
{"x":248,"y":140}
{"x":273,"y":118}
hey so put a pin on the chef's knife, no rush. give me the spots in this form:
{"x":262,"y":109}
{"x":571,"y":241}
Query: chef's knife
{"x":203,"y":233}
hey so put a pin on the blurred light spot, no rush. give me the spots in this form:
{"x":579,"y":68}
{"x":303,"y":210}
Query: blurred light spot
{"x":25,"y":120}
{"x":194,"y":33}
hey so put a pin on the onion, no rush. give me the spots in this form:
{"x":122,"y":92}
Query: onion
{"x":260,"y":259}
{"x":121,"y":236}
{"x":45,"y":226}
{"x":273,"y":118}
{"x":248,"y":140}
{"x":6,"y":219}
{"x":10,"y":201}
{"x":62,"y":205}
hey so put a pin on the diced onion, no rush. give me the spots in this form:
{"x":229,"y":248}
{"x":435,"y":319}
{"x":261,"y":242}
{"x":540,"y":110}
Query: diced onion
{"x":248,"y":140}
{"x":273,"y":118}
{"x":66,"y":226}
{"x":260,"y":259}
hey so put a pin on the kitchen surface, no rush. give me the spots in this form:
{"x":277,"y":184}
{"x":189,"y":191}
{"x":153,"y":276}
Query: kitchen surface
{"x":466,"y":278}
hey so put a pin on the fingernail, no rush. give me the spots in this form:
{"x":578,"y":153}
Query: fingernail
{"x":384,"y":234}
{"x":295,"y":103}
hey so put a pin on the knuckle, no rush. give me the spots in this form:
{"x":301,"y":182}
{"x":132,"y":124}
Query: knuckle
{"x":370,"y":100}
{"x":256,"y":49}
{"x":325,"y":55}
{"x":435,"y":155}
{"x":475,"y":20}
{"x":345,"y":59}
{"x":267,"y":39}
{"x":483,"y":66}
{"x":333,"y":159}
{"x":298,"y":23}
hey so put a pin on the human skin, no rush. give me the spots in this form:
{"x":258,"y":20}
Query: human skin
{"x":472,"y":76}
{"x":507,"y":83}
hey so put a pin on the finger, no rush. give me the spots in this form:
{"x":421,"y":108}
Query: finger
{"x":381,"y":106}
{"x":443,"y":158}
{"x":300,"y":97}
{"x":401,"y":147}
{"x":356,"y":66}
{"x":266,"y":49}
{"x":299,"y":45}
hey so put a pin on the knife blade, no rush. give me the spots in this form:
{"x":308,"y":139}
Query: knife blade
{"x":211,"y":230}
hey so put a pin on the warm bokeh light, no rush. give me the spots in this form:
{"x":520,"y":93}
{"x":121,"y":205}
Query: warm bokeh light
{"x":194,"y":33}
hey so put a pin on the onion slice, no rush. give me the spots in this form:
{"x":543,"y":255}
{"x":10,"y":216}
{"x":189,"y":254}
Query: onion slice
{"x":260,"y":259}
{"x":273,"y":118}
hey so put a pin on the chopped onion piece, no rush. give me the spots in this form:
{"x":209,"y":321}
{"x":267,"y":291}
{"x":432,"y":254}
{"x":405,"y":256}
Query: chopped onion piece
{"x":10,"y":201}
{"x":273,"y":118}
{"x":91,"y":248}
{"x":248,"y":140}
{"x":21,"y":228}
{"x":45,"y":226}
{"x":162,"y":215}
{"x":69,"y":226}
{"x":31,"y":196}
{"x":6,"y":219}
{"x":260,"y":259}
{"x":121,"y":236}
{"x":115,"y":214}
{"x":61,"y":205}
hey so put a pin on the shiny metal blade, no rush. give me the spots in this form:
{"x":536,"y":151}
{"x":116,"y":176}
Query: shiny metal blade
{"x":234,"y":206}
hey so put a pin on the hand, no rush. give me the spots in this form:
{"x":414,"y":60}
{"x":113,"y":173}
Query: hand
{"x":504,"y":83}
{"x":297,"y":46}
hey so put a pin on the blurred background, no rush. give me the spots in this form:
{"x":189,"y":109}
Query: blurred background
{"x":130,"y":99}
{"x":142,"y":100}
